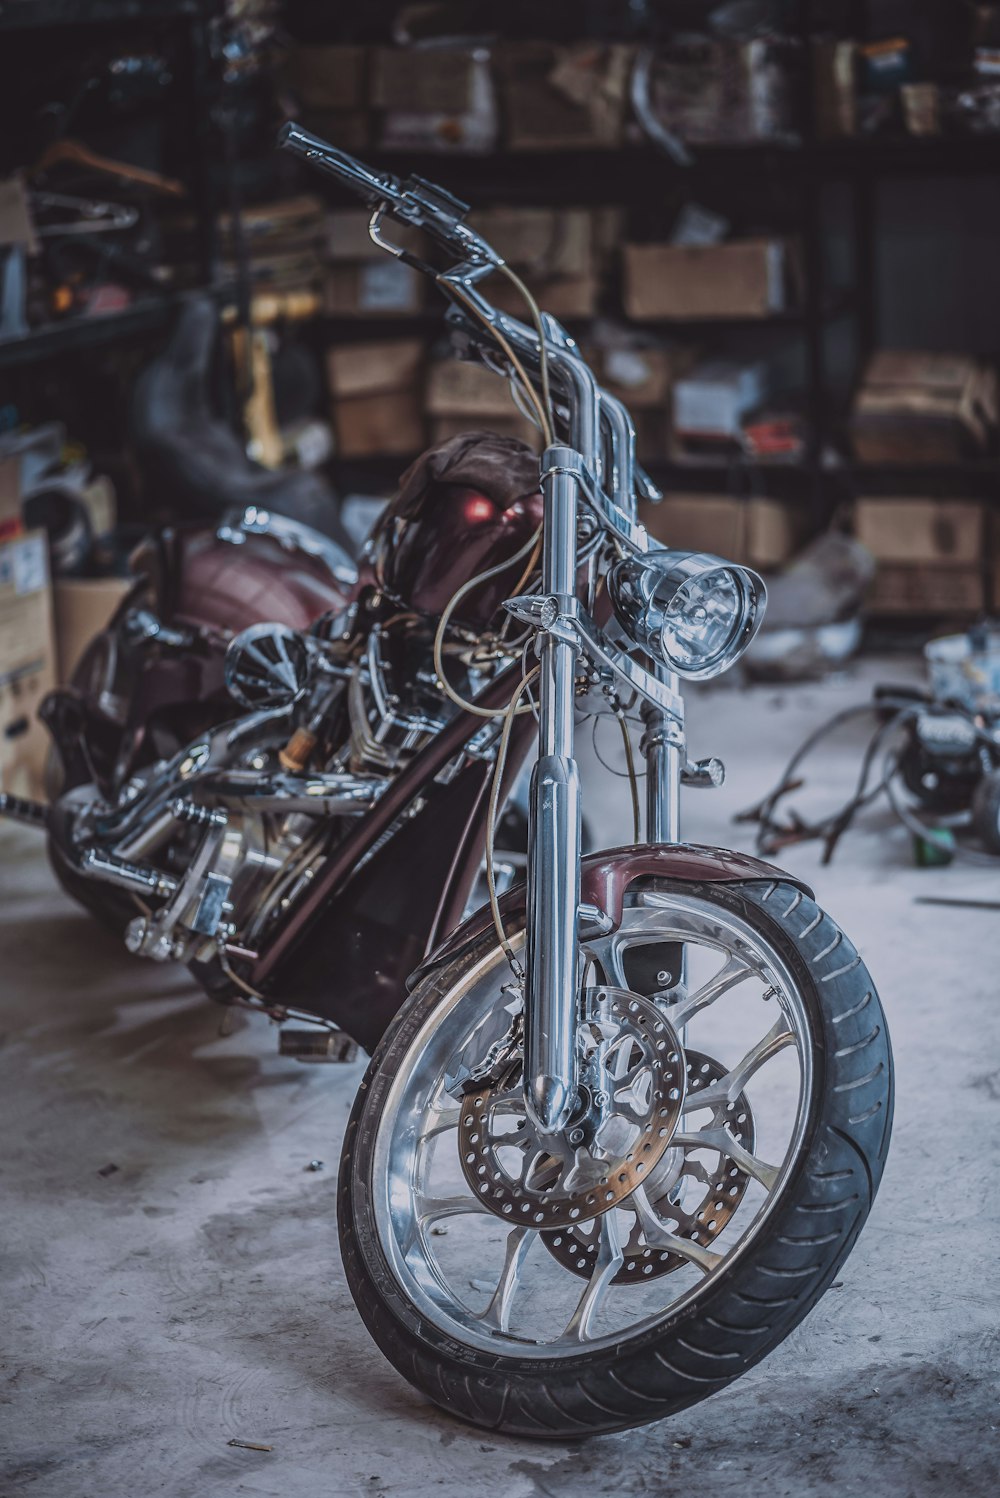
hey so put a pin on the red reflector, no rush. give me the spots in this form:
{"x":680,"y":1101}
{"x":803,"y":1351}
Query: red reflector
{"x":478,"y":507}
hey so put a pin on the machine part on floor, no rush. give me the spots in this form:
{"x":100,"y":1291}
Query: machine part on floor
{"x":941,"y":752}
{"x":957,"y":902}
{"x":317,"y":1045}
{"x":986,"y":811}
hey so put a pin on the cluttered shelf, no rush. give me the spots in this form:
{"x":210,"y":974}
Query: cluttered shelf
{"x":23,"y":15}
{"x":615,"y":174}
{"x":147,"y":315}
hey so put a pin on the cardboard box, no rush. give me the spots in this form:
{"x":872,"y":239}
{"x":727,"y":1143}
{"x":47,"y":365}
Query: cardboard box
{"x":566,"y":297}
{"x":759,"y":532}
{"x":642,"y":376}
{"x":329,"y":77}
{"x":82,"y":607}
{"x":348,"y":239}
{"x":563,"y":98}
{"x":709,"y":91}
{"x":921,"y":530}
{"x":924,"y":408}
{"x":378,"y":406}
{"x":27,"y":662}
{"x":742,"y":278}
{"x":423,"y":80}
{"x":443,"y":428}
{"x":348,"y":129}
{"x":540,"y":242}
{"x":455,"y":388}
{"x":390,"y":424}
{"x":435,"y":98}
{"x":374,"y":288}
{"x":926,"y":588}
{"x":370,"y":368}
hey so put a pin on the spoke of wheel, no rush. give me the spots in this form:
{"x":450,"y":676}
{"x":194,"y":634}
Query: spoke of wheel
{"x":728,"y":1088}
{"x":733,"y":972}
{"x":431,"y":1209}
{"x":447,"y":1121}
{"x":720,"y":1139}
{"x":658,"y":1235}
{"x":497,"y":1313}
{"x":609,"y":1260}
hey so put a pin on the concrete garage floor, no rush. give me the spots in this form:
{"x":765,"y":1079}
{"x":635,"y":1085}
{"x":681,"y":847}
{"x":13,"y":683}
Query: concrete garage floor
{"x":194,"y":1293}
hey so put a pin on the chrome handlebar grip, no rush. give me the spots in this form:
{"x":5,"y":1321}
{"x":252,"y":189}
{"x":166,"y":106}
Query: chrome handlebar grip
{"x":377,"y":187}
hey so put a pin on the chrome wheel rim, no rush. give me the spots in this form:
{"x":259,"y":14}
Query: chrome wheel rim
{"x":491,"y":1284}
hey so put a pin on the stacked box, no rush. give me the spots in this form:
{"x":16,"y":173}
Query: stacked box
{"x":468,"y":397}
{"x":362,"y":280}
{"x":759,"y":532}
{"x":930,"y":554}
{"x":435,"y":98}
{"x":742,"y":278}
{"x":331,"y":84}
{"x":563,"y":98}
{"x":924,"y":408}
{"x":377,"y":398}
{"x":27,"y":662}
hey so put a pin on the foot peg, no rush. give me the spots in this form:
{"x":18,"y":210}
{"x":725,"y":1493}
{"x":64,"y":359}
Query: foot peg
{"x":20,"y":809}
{"x":317,"y":1045}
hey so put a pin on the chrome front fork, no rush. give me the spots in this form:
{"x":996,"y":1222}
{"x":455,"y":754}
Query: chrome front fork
{"x":553,"y":904}
{"x":552,"y":941}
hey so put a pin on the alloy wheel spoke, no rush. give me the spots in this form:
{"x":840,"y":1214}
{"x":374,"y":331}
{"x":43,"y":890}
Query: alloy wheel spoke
{"x":607,"y":1264}
{"x":718,"y":1138}
{"x":658,"y":1235}
{"x":497,"y":1313}
{"x":431,"y":1209}
{"x":446,"y":1120}
{"x":728,"y":1088}
{"x":733,"y":972}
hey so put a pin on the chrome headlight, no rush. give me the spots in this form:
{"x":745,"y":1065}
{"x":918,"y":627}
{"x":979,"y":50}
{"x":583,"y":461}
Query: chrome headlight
{"x":692,"y":612}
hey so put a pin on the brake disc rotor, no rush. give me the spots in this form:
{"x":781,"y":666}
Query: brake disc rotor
{"x":633,"y":1078}
{"x":696,"y":1204}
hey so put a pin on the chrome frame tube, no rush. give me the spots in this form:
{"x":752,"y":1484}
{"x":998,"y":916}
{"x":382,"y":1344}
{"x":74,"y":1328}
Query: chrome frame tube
{"x":553,"y":874}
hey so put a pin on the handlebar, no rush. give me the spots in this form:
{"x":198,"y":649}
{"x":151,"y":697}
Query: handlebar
{"x":417,"y":202}
{"x":593,"y":413}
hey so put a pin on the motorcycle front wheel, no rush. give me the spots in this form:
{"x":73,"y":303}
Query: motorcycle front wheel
{"x":482,"y":1256}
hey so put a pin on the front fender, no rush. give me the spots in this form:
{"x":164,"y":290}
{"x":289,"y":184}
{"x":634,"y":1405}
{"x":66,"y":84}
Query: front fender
{"x":604,"y":878}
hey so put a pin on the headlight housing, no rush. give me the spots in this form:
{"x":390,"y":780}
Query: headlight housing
{"x":690,"y":611}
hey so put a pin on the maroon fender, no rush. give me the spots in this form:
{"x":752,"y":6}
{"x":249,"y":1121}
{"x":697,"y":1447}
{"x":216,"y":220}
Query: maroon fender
{"x":606,"y":875}
{"x":223,"y":588}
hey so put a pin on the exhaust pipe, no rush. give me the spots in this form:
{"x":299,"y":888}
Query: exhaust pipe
{"x":20,"y":809}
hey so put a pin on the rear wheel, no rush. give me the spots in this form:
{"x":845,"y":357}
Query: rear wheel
{"x":731,"y":1134}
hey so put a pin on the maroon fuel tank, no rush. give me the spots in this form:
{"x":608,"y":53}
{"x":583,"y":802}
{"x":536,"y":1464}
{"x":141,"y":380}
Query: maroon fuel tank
{"x":462,"y":508}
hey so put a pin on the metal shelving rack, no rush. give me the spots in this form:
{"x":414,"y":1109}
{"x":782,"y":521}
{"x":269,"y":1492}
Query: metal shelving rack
{"x":805,"y":168}
{"x":152,"y":313}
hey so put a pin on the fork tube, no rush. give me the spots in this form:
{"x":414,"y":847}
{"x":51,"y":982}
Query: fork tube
{"x":663,"y":749}
{"x":550,"y":1084}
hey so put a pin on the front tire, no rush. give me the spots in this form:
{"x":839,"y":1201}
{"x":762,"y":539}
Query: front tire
{"x":760,"y":1288}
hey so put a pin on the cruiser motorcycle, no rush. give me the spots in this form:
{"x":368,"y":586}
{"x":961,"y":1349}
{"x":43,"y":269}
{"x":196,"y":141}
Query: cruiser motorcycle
{"x":622,"y":1125}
